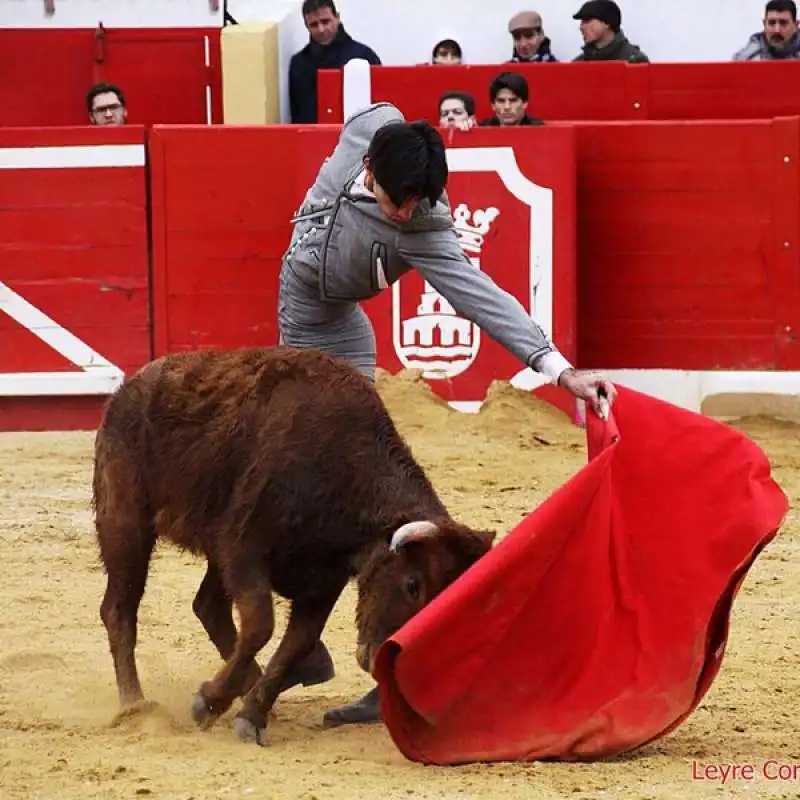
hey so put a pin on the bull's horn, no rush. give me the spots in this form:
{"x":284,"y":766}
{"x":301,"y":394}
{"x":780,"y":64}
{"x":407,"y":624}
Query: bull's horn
{"x":412,"y":532}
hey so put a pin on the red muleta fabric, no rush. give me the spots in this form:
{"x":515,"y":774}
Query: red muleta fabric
{"x":600,"y":621}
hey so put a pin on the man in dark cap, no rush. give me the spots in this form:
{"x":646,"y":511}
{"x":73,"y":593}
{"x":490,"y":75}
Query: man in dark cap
{"x":601,"y":28}
{"x":530,"y":43}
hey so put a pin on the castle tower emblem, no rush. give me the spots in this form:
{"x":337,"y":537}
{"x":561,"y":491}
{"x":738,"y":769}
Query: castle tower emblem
{"x":436,"y":340}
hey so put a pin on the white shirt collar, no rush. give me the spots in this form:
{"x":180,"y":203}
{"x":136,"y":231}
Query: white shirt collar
{"x":360,"y":186}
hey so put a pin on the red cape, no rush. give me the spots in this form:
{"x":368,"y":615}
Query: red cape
{"x":599,"y":622}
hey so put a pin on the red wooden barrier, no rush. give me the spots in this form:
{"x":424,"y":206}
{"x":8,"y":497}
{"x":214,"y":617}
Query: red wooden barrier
{"x":687,"y":245}
{"x":686,"y":236}
{"x":73,"y":271}
{"x":217,"y":252}
{"x":222,"y":198}
{"x":163,"y":72}
{"x":590,"y":92}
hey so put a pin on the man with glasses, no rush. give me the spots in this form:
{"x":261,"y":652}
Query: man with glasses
{"x":106,"y":105}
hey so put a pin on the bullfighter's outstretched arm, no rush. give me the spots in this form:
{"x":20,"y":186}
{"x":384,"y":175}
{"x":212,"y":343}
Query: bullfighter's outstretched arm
{"x":439,"y":258}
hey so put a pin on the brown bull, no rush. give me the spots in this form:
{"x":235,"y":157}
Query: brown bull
{"x":284,"y":469}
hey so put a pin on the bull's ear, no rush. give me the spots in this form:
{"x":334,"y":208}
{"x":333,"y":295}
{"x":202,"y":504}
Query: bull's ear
{"x":412,"y":532}
{"x":486,"y":537}
{"x":471,"y":544}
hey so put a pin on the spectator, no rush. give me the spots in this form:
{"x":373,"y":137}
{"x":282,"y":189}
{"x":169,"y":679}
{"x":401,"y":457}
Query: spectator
{"x":457,"y":110}
{"x":530,"y":43}
{"x":779,"y":39}
{"x":508,"y":93}
{"x":447,"y":51}
{"x":329,"y":47}
{"x":106,"y":105}
{"x":601,"y":28}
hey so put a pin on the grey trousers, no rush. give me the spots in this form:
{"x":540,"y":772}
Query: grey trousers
{"x":340,"y":328}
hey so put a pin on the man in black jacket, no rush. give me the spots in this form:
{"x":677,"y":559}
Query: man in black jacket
{"x":329,"y":47}
{"x":508,"y":94}
{"x":601,"y":28}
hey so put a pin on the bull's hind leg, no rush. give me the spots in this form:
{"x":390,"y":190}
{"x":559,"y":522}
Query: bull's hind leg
{"x":252,"y":594}
{"x":125,"y":549}
{"x":306,"y":623}
{"x":214,"y":609}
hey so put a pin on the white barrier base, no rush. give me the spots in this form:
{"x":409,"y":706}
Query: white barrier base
{"x":716,"y":393}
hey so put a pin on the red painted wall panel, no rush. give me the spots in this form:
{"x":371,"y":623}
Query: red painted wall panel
{"x":73,"y":243}
{"x":163,"y":72}
{"x":222,"y":199}
{"x":735,"y":90}
{"x":591,"y":92}
{"x":677,"y":246}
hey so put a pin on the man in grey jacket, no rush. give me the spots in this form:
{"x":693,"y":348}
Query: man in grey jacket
{"x":779,"y":39}
{"x":377,"y":209}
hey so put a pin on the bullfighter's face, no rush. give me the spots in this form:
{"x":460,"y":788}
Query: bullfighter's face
{"x":398,"y":214}
{"x":402,"y":577}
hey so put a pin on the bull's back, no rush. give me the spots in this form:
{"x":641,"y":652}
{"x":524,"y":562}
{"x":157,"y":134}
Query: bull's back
{"x":208,"y":434}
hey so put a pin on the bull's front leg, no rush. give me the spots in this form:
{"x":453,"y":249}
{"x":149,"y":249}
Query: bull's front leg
{"x":306,"y":623}
{"x":252,"y":594}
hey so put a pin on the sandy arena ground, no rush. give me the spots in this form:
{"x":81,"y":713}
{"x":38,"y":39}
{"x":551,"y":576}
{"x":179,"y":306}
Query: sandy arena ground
{"x":60,"y":737}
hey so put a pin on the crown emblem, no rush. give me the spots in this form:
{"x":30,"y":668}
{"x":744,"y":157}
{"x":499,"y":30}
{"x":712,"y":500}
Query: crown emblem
{"x":472,"y":227}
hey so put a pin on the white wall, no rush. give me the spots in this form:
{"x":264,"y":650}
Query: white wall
{"x":112,"y":13}
{"x":404,"y":32}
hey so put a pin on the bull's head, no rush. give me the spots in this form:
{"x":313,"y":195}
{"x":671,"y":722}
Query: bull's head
{"x":399,"y":578}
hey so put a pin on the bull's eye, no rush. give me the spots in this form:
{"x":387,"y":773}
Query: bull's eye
{"x":412,"y":587}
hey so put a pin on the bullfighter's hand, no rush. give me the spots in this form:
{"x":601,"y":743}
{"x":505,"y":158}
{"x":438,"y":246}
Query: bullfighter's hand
{"x":592,"y":387}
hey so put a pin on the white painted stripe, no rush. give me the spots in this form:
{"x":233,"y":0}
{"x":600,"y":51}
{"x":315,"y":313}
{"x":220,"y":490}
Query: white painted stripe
{"x":72,"y":156}
{"x":99,"y":375}
{"x":466,"y":406}
{"x":207,"y":50}
{"x":208,"y":105}
{"x":54,"y":384}
{"x":49,"y":331}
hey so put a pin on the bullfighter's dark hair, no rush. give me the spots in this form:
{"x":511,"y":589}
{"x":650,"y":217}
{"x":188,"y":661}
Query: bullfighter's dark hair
{"x":782,"y":5}
{"x":467,"y":99}
{"x":310,"y":6}
{"x":408,"y":160}
{"x":512,"y":81}
{"x":102,"y":88}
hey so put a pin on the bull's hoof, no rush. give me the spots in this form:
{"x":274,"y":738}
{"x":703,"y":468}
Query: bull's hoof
{"x":203,"y":716}
{"x":247,"y":732}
